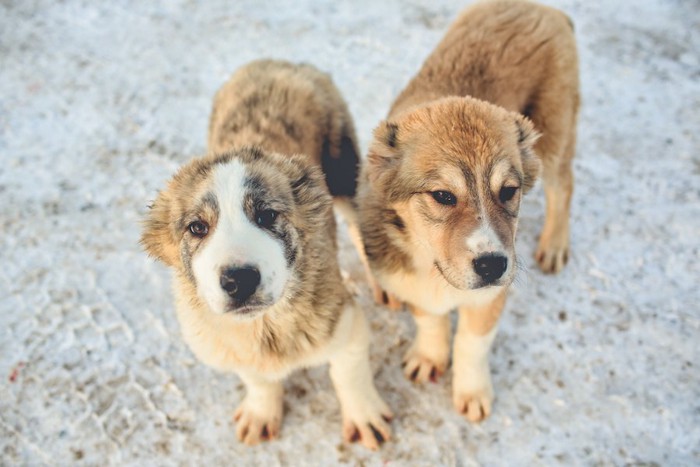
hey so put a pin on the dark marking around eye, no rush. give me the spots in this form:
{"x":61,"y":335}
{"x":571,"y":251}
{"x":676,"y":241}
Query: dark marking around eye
{"x":290,"y":251}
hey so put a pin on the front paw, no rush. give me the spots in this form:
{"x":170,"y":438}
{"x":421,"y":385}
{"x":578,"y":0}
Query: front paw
{"x":254,"y":425}
{"x":368,"y":423}
{"x":474,"y":398}
{"x":420,"y":366}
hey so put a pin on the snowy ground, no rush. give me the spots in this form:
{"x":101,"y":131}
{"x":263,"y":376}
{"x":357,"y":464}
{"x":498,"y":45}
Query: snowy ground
{"x":100,"y":102}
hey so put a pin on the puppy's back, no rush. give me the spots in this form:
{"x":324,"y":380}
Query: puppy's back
{"x":500,"y":51}
{"x":291,"y":109}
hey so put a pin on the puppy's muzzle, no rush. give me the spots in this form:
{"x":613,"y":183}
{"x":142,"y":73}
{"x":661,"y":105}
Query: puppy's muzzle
{"x":490,"y":267}
{"x":240,"y":283}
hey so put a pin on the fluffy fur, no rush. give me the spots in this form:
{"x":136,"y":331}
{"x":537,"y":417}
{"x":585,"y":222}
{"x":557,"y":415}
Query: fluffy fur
{"x":246,"y":206}
{"x":441,"y":190}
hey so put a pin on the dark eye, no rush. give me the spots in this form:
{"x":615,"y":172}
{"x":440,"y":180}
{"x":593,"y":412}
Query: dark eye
{"x":444,"y":197}
{"x":199,"y":228}
{"x":507,"y":193}
{"x":266,"y":218}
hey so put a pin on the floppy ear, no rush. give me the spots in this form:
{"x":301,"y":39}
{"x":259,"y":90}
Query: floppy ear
{"x":527,"y":137}
{"x":156,"y":237}
{"x":384,"y":153}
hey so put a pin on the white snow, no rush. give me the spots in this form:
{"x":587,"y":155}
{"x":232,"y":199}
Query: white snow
{"x":100,"y":102}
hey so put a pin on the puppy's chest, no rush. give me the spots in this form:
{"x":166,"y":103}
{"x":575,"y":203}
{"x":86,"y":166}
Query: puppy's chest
{"x":230,"y":345}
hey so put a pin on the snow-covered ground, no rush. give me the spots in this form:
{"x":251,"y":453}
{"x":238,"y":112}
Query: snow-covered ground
{"x":100,"y":102}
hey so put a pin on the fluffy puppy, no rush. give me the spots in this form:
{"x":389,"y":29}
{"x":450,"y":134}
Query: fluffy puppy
{"x":440,"y":193}
{"x":292,"y":109}
{"x":250,"y":234}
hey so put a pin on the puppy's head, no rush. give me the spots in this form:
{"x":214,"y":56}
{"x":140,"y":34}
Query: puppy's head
{"x":237,"y":225}
{"x":454,"y":172}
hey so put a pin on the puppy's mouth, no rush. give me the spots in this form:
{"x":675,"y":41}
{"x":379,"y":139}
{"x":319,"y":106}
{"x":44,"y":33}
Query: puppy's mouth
{"x":480,"y":285}
{"x":445,"y":276}
{"x":250,"y":307}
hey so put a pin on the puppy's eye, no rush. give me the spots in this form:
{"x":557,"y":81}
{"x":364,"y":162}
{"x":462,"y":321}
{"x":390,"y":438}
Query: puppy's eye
{"x":507,"y":193}
{"x":444,"y":197}
{"x":199,"y":229}
{"x":266,"y":218}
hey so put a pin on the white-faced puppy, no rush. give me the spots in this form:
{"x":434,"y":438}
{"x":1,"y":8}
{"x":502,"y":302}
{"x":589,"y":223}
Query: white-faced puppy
{"x":292,"y":109}
{"x":250,"y":235}
{"x":440,"y":194}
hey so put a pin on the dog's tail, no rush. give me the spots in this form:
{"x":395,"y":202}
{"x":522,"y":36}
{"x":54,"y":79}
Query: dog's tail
{"x":340,"y":163}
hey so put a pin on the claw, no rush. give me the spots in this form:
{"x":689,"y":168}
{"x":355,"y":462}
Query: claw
{"x":377,"y":435}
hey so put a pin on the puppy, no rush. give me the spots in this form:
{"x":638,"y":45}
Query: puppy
{"x":250,"y":233}
{"x":440,"y":193}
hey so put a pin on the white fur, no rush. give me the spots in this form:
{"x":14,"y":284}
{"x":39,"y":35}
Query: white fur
{"x":484,"y":240}
{"x":472,"y":389}
{"x":237,"y":242}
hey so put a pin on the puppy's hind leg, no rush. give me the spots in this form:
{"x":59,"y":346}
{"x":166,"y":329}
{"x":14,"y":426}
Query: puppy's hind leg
{"x":366,"y":416}
{"x":348,"y":211}
{"x":554,"y":115}
{"x":259,"y":416}
{"x":553,"y":248}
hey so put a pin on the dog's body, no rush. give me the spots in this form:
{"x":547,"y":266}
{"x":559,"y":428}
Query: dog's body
{"x":251,"y":235}
{"x":440,"y":193}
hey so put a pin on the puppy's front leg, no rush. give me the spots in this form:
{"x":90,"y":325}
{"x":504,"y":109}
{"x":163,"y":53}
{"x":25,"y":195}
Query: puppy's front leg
{"x":472,"y":389}
{"x":365,"y":415}
{"x":259,"y":416}
{"x":429,"y":355}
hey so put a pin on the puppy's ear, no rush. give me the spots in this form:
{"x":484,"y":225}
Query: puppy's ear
{"x":307,"y":180}
{"x":156,"y":237}
{"x":527,"y":137}
{"x":384,"y":153}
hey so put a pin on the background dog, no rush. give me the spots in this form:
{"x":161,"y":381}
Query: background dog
{"x":250,"y":234}
{"x":441,"y":190}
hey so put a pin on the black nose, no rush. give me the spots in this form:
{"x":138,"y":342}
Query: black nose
{"x":240,"y":283}
{"x":490,"y":267}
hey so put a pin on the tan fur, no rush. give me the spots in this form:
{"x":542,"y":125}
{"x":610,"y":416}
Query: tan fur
{"x":520,"y":56}
{"x":297,"y":110}
{"x":465,"y":124}
{"x":291,"y":109}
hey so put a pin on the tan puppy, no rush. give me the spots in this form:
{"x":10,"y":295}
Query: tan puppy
{"x":440,"y":194}
{"x":250,"y":234}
